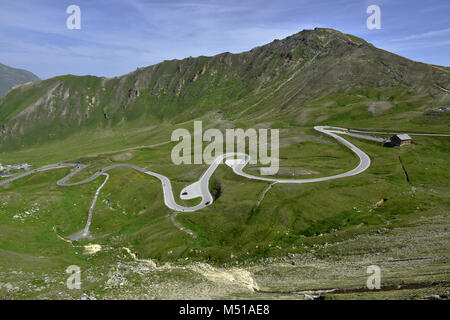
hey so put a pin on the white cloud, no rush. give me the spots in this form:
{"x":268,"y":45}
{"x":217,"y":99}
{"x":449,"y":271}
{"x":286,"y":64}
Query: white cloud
{"x":425,"y":35}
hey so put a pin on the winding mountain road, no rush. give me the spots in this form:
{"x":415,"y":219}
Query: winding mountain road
{"x":201,"y":187}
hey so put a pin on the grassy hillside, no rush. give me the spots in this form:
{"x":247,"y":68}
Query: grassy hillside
{"x":314,"y":77}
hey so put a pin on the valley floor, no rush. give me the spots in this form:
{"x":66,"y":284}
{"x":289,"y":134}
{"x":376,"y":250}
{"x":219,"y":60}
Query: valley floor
{"x":413,"y":260}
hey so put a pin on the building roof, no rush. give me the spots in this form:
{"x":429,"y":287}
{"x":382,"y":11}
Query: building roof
{"x":403,"y":136}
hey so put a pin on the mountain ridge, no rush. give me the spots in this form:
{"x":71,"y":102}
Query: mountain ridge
{"x":11,"y":77}
{"x":276,"y":81}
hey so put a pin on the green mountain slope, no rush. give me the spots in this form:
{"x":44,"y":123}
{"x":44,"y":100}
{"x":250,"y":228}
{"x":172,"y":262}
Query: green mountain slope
{"x":287,"y":237}
{"x":315,"y":76}
{"x":9,"y":77}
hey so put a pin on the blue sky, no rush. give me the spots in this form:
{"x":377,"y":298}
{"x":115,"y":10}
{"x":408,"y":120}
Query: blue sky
{"x":116,"y":36}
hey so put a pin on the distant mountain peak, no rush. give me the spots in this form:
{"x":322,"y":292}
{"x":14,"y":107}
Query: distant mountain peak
{"x":11,"y":77}
{"x":304,"y":79}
